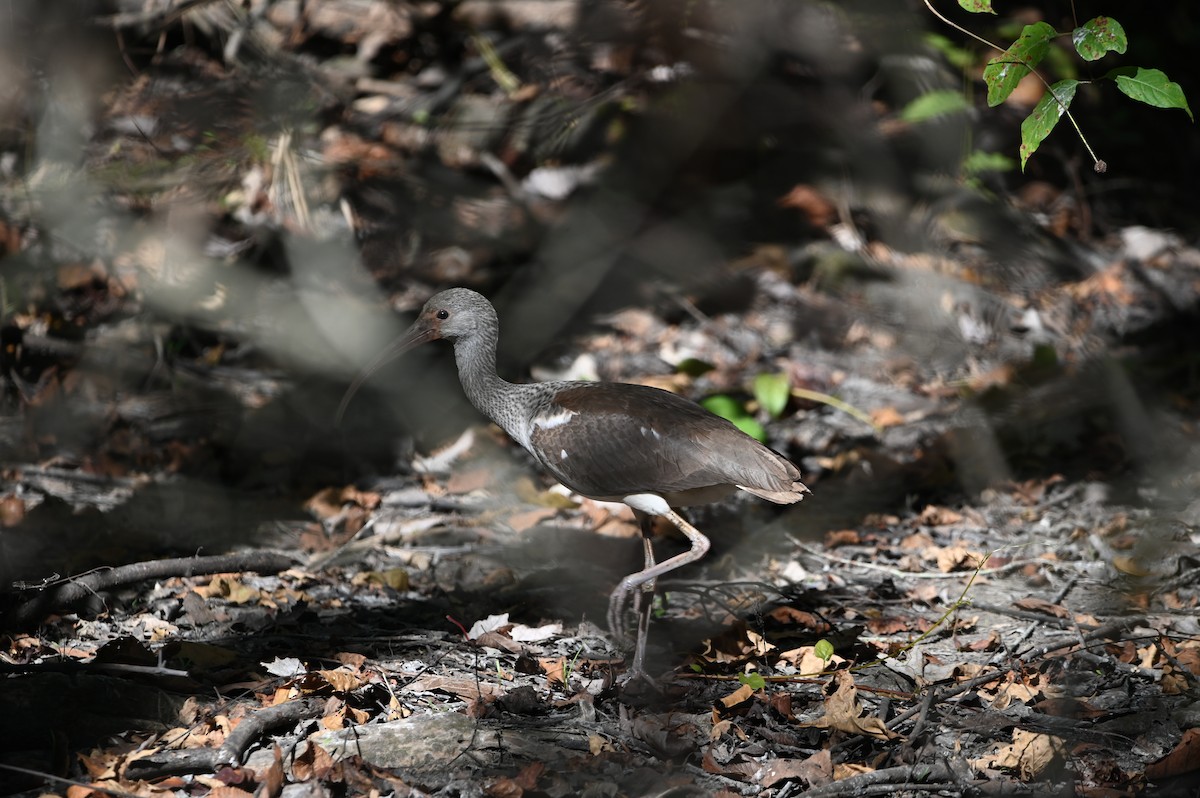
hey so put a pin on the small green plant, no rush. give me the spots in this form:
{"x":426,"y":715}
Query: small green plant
{"x":824,"y":650}
{"x":1092,"y":40}
{"x":754,"y":681}
{"x":772,"y":392}
{"x":734,"y":411}
{"x":569,"y":668}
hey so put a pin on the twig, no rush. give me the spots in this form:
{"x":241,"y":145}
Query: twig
{"x":76,"y":589}
{"x":897,"y":573}
{"x":913,"y":777}
{"x":208,"y":760}
{"x":90,"y":787}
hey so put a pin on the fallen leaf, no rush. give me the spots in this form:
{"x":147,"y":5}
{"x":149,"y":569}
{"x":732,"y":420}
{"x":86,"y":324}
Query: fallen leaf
{"x":1184,"y":758}
{"x":743,"y":693}
{"x":1030,"y":754}
{"x":815,"y":771}
{"x":843,"y":712}
{"x":812,"y":204}
{"x":842,"y":537}
{"x":342,"y":681}
{"x":933,"y":515}
{"x":885,"y":417}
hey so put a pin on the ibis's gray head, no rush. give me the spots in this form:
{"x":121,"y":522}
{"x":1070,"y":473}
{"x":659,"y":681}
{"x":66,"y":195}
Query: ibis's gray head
{"x":452,"y":315}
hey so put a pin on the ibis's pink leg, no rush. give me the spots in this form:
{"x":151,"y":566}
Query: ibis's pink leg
{"x":644,"y":603}
{"x":616,"y":603}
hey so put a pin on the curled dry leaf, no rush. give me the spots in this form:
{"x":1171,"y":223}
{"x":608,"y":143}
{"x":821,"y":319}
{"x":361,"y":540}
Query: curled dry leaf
{"x":843,"y":712}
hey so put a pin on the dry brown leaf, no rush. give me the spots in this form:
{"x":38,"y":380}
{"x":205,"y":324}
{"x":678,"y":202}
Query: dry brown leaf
{"x":1130,"y":566}
{"x":812,"y":204}
{"x":956,"y":558}
{"x":230,"y":588}
{"x":743,"y":693}
{"x":843,"y":711}
{"x":465,"y":687}
{"x":331,"y":502}
{"x":1067,"y":707}
{"x":800,"y":618}
{"x":885,"y":417}
{"x":341,"y":680}
{"x":528,"y":519}
{"x":1107,"y":286}
{"x":887,"y":626}
{"x":271,"y":777}
{"x":1184,"y":758}
{"x":1009,"y":693}
{"x":844,"y":770}
{"x":228,"y":791}
{"x":311,"y":762}
{"x":918,"y":541}
{"x":806,"y":661}
{"x":934,"y":515}
{"x":816,"y":770}
{"x":989,"y":643}
{"x":395,"y":578}
{"x":1030,"y":754}
{"x":554,"y":668}
{"x":469,"y":480}
{"x":12,"y":511}
{"x":842,"y":537}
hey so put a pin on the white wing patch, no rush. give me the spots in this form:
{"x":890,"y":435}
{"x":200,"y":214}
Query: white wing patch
{"x":650,"y":431}
{"x":562,"y":454}
{"x":556,"y":419}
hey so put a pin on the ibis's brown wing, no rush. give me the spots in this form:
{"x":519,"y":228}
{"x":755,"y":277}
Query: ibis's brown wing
{"x":610,"y":440}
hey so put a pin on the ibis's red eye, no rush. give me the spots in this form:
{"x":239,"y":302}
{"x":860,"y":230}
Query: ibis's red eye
{"x":443,"y":314}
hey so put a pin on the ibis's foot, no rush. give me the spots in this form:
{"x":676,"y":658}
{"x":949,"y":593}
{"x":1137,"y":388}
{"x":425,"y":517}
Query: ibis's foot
{"x":637,"y":685}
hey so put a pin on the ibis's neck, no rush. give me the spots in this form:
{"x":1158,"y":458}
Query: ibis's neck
{"x":496,"y":398}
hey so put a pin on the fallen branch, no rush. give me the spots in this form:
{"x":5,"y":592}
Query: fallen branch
{"x":69,"y":592}
{"x":232,"y":751}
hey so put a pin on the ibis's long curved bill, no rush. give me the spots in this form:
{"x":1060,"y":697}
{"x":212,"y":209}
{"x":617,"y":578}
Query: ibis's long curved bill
{"x":419,"y":333}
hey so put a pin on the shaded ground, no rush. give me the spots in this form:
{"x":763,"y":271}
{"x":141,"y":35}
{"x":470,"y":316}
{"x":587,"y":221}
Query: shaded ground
{"x":991,"y":394}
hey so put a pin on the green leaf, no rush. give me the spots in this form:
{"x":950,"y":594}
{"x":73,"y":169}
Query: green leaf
{"x":959,"y":57}
{"x":693,"y":367}
{"x":1044,"y":357}
{"x":934,"y":104}
{"x":751,"y":428}
{"x":823,"y":649}
{"x":977,"y":6}
{"x":754,"y":681}
{"x":1004,"y":72}
{"x":1045,"y":116}
{"x":979,"y":162}
{"x":772,"y":392}
{"x":1151,"y":87}
{"x":1098,"y":36}
{"x":724,"y":406}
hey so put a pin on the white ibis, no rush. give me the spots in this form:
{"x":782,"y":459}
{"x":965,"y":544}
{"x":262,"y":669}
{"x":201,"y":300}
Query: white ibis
{"x":646,"y":447}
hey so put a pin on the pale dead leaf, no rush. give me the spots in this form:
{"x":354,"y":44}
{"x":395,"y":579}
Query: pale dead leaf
{"x":1030,"y":754}
{"x":743,"y":693}
{"x":843,"y":712}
